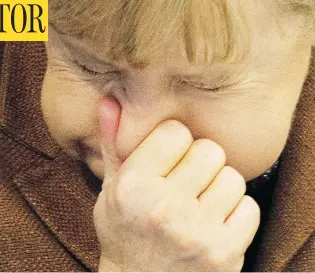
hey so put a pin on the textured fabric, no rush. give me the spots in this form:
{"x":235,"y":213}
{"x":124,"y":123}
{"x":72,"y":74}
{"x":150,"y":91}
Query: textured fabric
{"x":45,"y":203}
{"x":47,"y":198}
{"x":261,"y":189}
{"x":289,"y":240}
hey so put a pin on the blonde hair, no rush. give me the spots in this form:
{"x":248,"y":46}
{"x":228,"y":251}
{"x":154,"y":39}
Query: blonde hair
{"x":141,"y":29}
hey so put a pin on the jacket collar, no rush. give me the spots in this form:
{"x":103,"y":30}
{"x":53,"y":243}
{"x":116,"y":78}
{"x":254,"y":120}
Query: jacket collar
{"x":58,"y":189}
{"x":23,"y":91}
{"x":59,"y":195}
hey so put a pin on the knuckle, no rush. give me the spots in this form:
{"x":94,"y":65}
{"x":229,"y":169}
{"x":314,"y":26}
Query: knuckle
{"x":221,"y":257}
{"x":228,"y":259}
{"x":251,"y":204}
{"x":176,"y":132}
{"x":123,"y":190}
{"x":238,"y":181}
{"x":176,"y":127}
{"x":252,"y":208}
{"x":126,"y":177}
{"x":119,"y":201}
{"x":184,"y":242}
{"x":159,"y":225}
{"x":238,"y":264}
{"x":210,"y":149}
{"x":186,"y":245}
{"x":235,"y":249}
{"x":159,"y":219}
{"x":171,"y":123}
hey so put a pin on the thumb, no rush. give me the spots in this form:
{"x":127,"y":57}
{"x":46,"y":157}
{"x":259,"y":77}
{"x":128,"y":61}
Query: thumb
{"x":109,"y":117}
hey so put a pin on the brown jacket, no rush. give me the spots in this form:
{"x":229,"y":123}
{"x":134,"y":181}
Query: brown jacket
{"x":47,"y":198}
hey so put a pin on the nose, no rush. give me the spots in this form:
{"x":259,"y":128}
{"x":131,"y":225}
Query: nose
{"x":147,"y":101}
{"x":138,"y":121}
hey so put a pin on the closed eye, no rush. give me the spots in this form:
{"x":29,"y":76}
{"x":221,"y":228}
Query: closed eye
{"x":86,"y":70}
{"x":201,"y":86}
{"x":95,"y":73}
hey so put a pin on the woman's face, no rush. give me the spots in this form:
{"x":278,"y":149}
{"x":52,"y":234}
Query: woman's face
{"x":249,"y":114}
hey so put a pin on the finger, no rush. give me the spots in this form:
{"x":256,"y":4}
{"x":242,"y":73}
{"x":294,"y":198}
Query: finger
{"x":244,"y":222}
{"x":109,"y":117}
{"x":161,"y":150}
{"x":198,"y":168}
{"x":223,"y":194}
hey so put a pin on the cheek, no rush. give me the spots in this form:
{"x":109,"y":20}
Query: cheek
{"x":69,"y":109}
{"x":252,"y":132}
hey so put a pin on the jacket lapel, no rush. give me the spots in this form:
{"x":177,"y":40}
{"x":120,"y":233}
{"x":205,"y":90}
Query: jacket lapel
{"x":292,"y":217}
{"x":20,"y":96}
{"x":55,"y":187}
{"x":63,"y":201}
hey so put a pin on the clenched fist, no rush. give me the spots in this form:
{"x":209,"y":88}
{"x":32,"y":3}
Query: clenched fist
{"x":172,"y":205}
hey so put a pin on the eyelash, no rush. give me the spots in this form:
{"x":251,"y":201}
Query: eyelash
{"x":201,"y":86}
{"x":86,"y":70}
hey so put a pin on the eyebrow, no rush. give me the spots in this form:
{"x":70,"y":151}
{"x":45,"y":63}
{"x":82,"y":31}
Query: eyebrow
{"x":80,"y":48}
{"x":216,"y":73}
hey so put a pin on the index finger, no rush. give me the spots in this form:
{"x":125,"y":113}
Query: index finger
{"x":162,"y":149}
